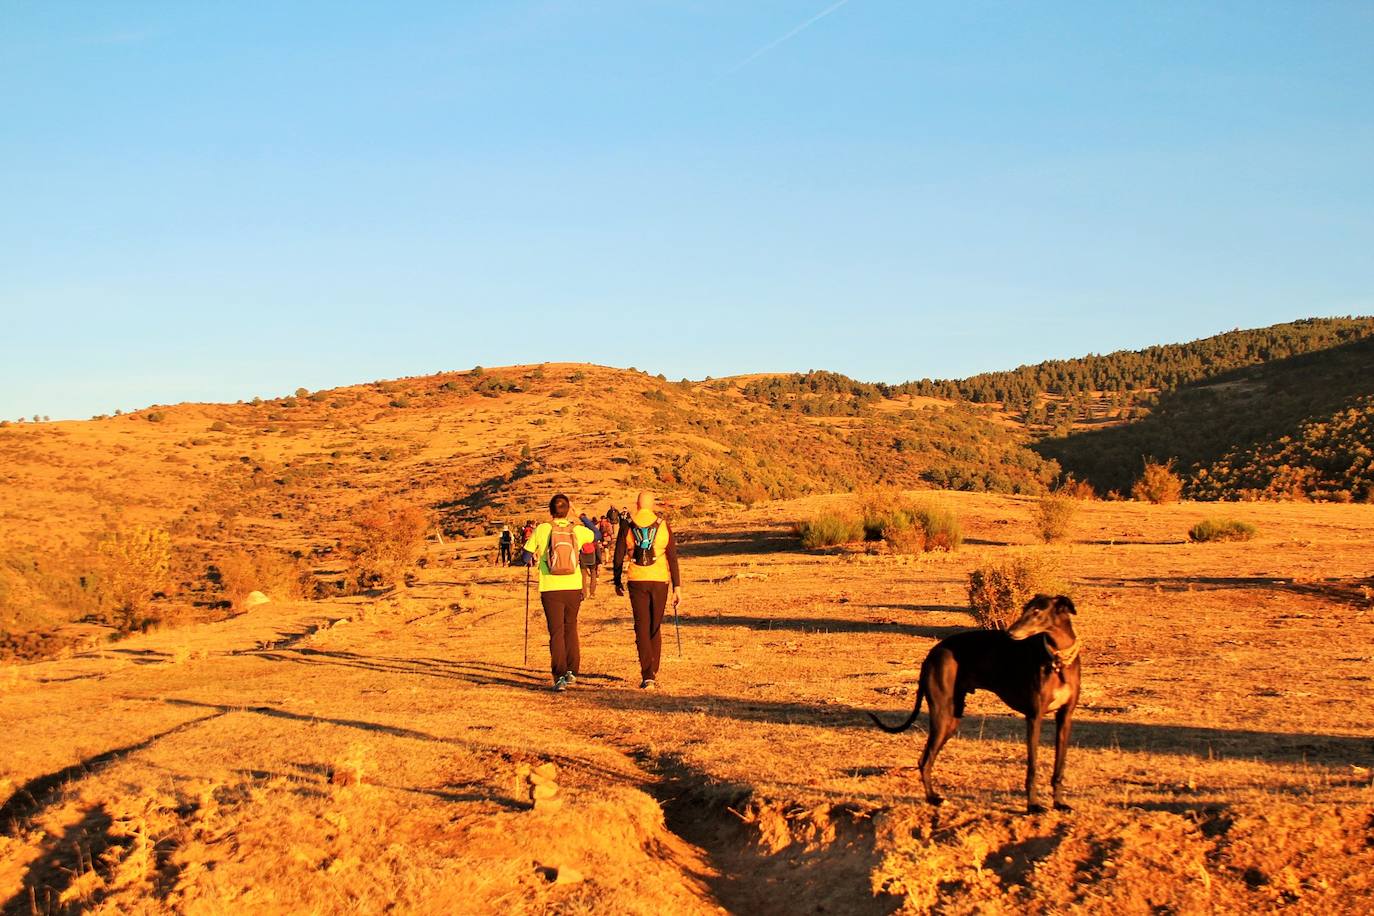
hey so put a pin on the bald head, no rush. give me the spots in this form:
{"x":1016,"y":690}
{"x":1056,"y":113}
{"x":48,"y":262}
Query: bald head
{"x":644,"y":501}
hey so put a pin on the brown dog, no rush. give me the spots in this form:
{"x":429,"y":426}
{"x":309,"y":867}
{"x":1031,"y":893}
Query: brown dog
{"x":1033,"y":667}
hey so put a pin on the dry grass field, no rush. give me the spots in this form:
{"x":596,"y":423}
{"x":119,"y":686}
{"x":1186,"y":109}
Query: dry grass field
{"x":375,"y":753}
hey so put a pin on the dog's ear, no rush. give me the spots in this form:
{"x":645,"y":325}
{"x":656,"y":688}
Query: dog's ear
{"x":1064,"y":602}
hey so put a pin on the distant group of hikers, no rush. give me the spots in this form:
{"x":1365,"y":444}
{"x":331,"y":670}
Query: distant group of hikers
{"x":568,"y":552}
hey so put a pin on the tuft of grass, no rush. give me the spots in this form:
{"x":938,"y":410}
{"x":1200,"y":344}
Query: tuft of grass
{"x":1221,"y":529}
{"x":829,"y":529}
{"x":1053,"y":516}
{"x":999,"y":589}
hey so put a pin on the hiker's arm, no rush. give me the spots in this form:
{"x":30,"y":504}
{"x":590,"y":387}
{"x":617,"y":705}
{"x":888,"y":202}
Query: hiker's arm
{"x":671,"y":554}
{"x":533,"y":548}
{"x":619,"y":562}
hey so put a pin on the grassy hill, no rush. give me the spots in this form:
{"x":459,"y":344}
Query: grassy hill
{"x":286,"y":479}
{"x":281,"y":487}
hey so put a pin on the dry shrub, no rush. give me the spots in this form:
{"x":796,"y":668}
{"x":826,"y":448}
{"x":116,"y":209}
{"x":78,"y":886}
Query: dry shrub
{"x":877,"y":505}
{"x":829,"y":529}
{"x":387,"y":541}
{"x":907,"y":527}
{"x":134,"y":563}
{"x":998,"y":590}
{"x":1053,"y":516}
{"x":903,"y":536}
{"x":1158,"y":483}
{"x":279,"y":575}
{"x":1077,"y":489}
{"x":1221,"y":529}
{"x":351,"y":768}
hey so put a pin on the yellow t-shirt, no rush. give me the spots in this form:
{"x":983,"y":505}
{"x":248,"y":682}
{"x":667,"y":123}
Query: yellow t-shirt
{"x":656,"y":571}
{"x":538,"y":545}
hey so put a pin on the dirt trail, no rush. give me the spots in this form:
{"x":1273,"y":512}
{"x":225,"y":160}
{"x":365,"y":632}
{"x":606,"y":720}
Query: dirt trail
{"x":359,"y":754}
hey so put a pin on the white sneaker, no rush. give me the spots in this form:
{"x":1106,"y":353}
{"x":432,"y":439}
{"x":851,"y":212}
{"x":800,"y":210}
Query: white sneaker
{"x":649,"y":684}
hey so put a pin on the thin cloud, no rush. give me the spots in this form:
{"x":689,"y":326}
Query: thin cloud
{"x":789,"y":36}
{"x":126,"y":37}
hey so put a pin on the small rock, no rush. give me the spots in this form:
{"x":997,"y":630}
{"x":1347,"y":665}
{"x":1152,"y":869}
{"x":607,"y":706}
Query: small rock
{"x":253,"y":599}
{"x":548,"y":804}
{"x":544,"y":791}
{"x":547,"y":770}
{"x":568,"y":875}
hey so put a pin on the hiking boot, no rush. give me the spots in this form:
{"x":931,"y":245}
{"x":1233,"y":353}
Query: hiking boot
{"x":561,"y":684}
{"x":648,"y":684}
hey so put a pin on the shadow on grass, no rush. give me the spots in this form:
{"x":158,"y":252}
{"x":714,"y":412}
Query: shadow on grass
{"x":737,"y":543}
{"x":478,"y":673}
{"x":399,"y":731}
{"x":40,"y":791}
{"x":1345,"y":590}
{"x":819,"y":625}
{"x":1139,"y":737}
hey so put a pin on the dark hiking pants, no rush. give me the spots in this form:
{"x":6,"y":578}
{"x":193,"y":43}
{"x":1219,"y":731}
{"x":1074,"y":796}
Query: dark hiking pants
{"x":560,"y":613}
{"x":648,"y":602}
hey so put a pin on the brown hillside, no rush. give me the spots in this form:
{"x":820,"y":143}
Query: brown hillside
{"x":471,"y":448}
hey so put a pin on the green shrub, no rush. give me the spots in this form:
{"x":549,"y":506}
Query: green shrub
{"x":1158,"y":484}
{"x":829,"y":529}
{"x":1221,"y":529}
{"x":998,"y":590}
{"x":1053,"y":516}
{"x":941,"y":526}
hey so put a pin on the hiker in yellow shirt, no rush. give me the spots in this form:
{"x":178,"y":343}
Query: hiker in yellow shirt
{"x":652,"y":549}
{"x":556,"y":544}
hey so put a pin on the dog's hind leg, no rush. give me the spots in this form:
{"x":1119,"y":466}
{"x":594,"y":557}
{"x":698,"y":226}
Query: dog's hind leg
{"x":945,"y":705}
{"x":1032,"y":745}
{"x":1063,"y":720}
{"x":942,"y":726}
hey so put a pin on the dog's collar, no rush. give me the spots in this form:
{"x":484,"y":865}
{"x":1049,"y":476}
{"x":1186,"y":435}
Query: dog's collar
{"x":1063,"y":658}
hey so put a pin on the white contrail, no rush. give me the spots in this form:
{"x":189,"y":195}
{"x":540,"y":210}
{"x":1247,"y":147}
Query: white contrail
{"x":792,"y":34}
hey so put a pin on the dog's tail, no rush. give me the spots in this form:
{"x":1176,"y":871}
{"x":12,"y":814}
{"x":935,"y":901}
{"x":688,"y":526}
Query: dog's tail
{"x":911,"y":719}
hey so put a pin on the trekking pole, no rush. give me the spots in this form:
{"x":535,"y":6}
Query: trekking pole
{"x":677,"y":627}
{"x":527,"y":615}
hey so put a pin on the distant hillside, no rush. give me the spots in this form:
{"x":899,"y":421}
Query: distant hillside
{"x":1154,"y":369}
{"x":1300,"y":427}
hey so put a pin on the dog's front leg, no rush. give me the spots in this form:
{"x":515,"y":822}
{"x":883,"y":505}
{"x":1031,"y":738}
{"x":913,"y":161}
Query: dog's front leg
{"x":1062,"y":723}
{"x":1032,"y":745}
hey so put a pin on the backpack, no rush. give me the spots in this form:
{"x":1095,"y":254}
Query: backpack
{"x":561,"y":557}
{"x":644,"y":538}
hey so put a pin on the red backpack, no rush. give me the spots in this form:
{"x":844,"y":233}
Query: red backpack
{"x":561,"y":557}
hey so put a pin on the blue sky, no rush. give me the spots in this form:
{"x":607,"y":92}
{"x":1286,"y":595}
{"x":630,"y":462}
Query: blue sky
{"x":211,"y":201}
